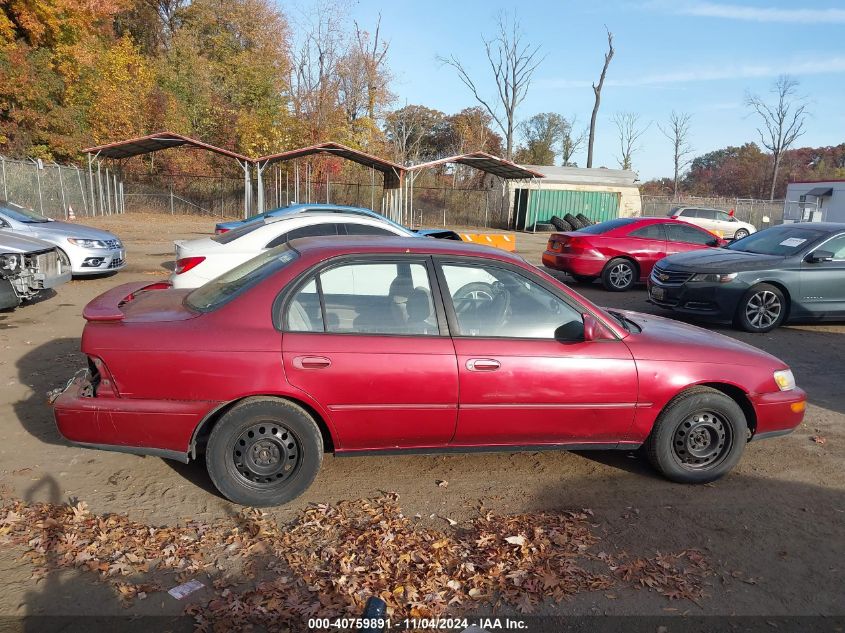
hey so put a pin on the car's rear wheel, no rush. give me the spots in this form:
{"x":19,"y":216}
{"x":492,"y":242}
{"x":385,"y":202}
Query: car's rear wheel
{"x":762,"y":309}
{"x":698,"y":437}
{"x":740,"y":233}
{"x":264,"y":452}
{"x":619,"y":275}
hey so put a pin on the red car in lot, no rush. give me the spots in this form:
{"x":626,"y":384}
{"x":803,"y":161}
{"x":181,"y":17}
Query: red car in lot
{"x":401,"y":344}
{"x":623,"y":251}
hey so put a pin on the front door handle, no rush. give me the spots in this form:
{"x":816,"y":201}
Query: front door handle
{"x":483,"y":364}
{"x":311,"y":362}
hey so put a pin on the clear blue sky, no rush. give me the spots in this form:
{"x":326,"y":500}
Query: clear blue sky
{"x":694,"y":56}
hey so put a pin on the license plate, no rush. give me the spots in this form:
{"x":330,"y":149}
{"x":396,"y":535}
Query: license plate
{"x":658,"y":293}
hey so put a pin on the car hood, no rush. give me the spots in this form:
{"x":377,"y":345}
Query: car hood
{"x":666,"y":339}
{"x":70,"y":229}
{"x":720,"y":260}
{"x":12,"y":242}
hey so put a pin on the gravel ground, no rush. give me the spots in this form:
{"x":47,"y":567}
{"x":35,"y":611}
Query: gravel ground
{"x":772,"y":529}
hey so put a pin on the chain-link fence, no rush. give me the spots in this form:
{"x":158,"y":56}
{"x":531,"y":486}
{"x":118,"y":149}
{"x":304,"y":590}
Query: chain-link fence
{"x":760,"y":213}
{"x":47,"y":188}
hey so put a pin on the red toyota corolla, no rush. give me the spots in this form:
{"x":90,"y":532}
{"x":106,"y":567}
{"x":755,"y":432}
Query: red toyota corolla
{"x":623,"y":251}
{"x":352,"y":345}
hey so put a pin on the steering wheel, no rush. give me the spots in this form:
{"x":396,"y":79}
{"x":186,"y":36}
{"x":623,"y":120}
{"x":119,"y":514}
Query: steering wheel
{"x":499,"y":307}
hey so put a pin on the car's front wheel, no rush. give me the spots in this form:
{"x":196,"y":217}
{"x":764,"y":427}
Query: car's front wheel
{"x":264,"y":452}
{"x":698,"y":437}
{"x":740,"y":233}
{"x":762,"y":308}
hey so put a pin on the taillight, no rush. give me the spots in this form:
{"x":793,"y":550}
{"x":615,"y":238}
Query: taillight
{"x":553,"y":245}
{"x":187,"y":263}
{"x":221,"y":231}
{"x":674,"y":217}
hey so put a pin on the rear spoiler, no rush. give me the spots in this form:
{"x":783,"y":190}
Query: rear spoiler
{"x":107,"y":306}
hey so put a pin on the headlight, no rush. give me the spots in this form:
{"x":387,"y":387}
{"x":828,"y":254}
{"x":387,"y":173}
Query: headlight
{"x":78,"y":241}
{"x":721,"y":278}
{"x":10,"y":261}
{"x":785,"y":380}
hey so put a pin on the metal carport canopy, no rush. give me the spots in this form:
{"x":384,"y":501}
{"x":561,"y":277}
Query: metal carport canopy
{"x":504,"y":169}
{"x":167,"y":140}
{"x":485,"y":162}
{"x":393,"y":173}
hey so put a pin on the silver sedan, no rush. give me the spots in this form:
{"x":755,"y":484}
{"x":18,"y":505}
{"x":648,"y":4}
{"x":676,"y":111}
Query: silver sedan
{"x":90,"y":251}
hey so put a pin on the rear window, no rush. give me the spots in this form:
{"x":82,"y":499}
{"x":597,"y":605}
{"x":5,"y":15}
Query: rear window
{"x":232,"y":283}
{"x":604,"y":227}
{"x":231,"y":236}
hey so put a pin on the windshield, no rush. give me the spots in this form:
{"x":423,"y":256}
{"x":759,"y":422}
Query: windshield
{"x":20,"y":214}
{"x":228,"y":285}
{"x":782,"y":241}
{"x":604,"y":227}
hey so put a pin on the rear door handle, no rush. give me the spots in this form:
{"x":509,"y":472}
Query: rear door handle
{"x":483,"y":364}
{"x":311,"y":362}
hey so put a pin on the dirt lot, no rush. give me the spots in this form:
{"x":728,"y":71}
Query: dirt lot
{"x":772,"y":531}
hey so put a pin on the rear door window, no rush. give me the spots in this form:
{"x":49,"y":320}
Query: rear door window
{"x":366,"y":229}
{"x":650,"y":232}
{"x":314,"y":230}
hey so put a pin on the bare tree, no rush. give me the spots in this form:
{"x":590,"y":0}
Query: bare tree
{"x":630,"y":131}
{"x":571,"y":143}
{"x":513,"y":64}
{"x":678,"y":133}
{"x":782,"y":122}
{"x":597,"y":91}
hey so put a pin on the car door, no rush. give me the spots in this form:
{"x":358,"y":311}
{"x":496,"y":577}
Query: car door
{"x":823,"y":283}
{"x":366,"y":340}
{"x":681,"y":238}
{"x":519,"y":384}
{"x":647,"y":245}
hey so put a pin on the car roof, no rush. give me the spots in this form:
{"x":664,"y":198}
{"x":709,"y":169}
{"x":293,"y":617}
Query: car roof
{"x":353,"y":218}
{"x":351,"y":245}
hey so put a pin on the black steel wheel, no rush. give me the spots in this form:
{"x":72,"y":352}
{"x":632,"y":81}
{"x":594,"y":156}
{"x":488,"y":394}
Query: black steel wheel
{"x":264,"y":452}
{"x":698,"y":437}
{"x":762,"y":309}
{"x":619,"y":275}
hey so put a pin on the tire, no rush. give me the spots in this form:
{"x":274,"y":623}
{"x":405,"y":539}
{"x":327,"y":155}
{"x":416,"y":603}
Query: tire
{"x":740,"y":233}
{"x":284,"y":433}
{"x":584,"y":219}
{"x":698,"y":437}
{"x":761,"y":309}
{"x":561,"y":225}
{"x":583,"y":279}
{"x":575,"y":222}
{"x":542,"y":227}
{"x":619,"y":275}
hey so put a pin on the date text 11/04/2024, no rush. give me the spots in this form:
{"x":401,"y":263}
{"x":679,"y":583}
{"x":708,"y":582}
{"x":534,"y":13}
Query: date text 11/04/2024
{"x":416,"y":624}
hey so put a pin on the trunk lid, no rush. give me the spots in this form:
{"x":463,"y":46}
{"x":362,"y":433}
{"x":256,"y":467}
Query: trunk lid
{"x":140,"y":302}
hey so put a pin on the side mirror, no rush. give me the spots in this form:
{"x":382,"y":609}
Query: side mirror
{"x":714,"y":242}
{"x":595,"y":330}
{"x":819,"y":256}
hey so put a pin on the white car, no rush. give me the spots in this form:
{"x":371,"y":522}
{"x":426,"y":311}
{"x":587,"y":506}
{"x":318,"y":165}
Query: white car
{"x":200,"y":261}
{"x":714,"y":220}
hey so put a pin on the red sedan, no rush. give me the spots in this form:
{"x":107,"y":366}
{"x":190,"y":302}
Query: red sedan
{"x":623,"y":251}
{"x":351,"y":345}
